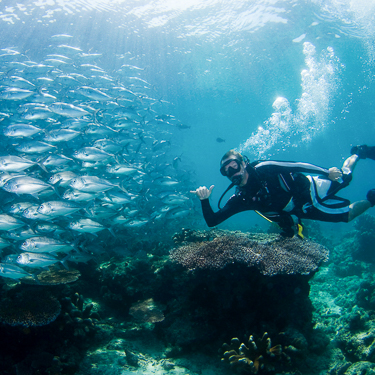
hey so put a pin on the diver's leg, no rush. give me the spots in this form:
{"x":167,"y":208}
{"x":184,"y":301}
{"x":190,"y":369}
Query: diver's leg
{"x":364,"y":151}
{"x":358,"y":208}
{"x":350,"y":163}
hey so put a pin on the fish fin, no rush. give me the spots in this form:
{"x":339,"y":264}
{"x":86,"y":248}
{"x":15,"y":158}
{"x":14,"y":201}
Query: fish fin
{"x":56,"y":191}
{"x":112,"y":232}
{"x":121,"y":187}
{"x":64,"y":262}
{"x":40,"y":162}
{"x":35,"y":277}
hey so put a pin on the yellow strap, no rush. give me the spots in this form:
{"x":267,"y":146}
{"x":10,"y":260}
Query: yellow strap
{"x":263,"y":216}
{"x":300,"y":229}
{"x":299,"y":226}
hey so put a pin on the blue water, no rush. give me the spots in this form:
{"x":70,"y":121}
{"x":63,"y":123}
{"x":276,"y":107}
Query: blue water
{"x":287,"y":80}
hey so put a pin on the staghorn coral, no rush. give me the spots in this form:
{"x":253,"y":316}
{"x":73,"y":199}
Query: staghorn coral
{"x":260,"y":355}
{"x":29,"y":307}
{"x":271,"y":257}
{"x":146,"y":311}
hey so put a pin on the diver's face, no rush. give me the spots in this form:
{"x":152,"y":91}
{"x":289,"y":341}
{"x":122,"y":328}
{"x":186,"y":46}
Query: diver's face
{"x":234,"y":170}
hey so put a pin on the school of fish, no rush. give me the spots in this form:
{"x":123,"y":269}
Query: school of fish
{"x":84,"y":155}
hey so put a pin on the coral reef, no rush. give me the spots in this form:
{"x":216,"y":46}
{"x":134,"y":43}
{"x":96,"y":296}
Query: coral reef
{"x":260,"y":355}
{"x":271,"y":256}
{"x":157,"y":316}
{"x":29,"y":307}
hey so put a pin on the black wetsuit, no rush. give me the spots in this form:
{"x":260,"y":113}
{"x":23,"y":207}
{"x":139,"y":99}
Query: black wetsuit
{"x":280,"y":191}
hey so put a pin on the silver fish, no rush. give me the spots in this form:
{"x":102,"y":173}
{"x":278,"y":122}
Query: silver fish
{"x":116,"y":197}
{"x":67,"y":110}
{"x":91,"y":154}
{"x":33,"y":214}
{"x":58,"y":208}
{"x":12,"y":271}
{"x":175,"y":199}
{"x":80,"y":257}
{"x":37,"y":113}
{"x":62,"y":178}
{"x":36,"y":260}
{"x":86,"y":226}
{"x":91,"y":184}
{"x":21,"y":130}
{"x":41,"y":244}
{"x":35,"y":147}
{"x":20,"y":234}
{"x":93,"y":94}
{"x":46,"y":228}
{"x":26,"y":185}
{"x":15,"y":93}
{"x":12,"y":163}
{"x":4,"y":243}
{"x":18,"y":208}
{"x":122,"y":169}
{"x":8,"y":222}
{"x":56,"y":161}
{"x":61,"y":135}
{"x":78,"y":196}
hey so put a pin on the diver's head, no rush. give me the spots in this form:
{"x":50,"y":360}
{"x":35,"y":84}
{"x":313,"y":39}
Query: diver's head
{"x":233,"y":166}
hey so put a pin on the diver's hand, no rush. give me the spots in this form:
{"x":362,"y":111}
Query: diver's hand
{"x":334,"y":174}
{"x":202,"y":192}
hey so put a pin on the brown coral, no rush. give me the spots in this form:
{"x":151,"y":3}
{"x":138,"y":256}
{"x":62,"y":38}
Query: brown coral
{"x":146,"y":311}
{"x":254,"y":356}
{"x":53,"y":276}
{"x":273,"y":256}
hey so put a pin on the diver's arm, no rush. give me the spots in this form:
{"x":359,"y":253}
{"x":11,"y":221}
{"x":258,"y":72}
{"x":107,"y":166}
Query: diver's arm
{"x":214,"y":218}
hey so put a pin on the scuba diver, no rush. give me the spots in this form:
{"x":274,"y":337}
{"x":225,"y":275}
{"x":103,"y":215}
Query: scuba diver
{"x":286,"y":192}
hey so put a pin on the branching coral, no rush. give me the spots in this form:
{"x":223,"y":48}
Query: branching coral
{"x":79,"y":317}
{"x":253,"y":357}
{"x":276,"y":256}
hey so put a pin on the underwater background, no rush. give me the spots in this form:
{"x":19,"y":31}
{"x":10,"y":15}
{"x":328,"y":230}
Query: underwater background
{"x":287,"y":80}
{"x":280,"y":80}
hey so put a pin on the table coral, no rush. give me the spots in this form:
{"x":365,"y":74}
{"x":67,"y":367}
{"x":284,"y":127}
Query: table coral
{"x":272,"y":255}
{"x":29,"y":308}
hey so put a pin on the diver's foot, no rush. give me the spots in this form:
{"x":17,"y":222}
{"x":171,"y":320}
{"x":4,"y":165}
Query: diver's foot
{"x":364,"y":151}
{"x":371,"y":197}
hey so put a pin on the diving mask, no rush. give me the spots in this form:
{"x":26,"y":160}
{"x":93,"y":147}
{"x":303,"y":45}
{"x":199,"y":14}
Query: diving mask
{"x":232,"y":169}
